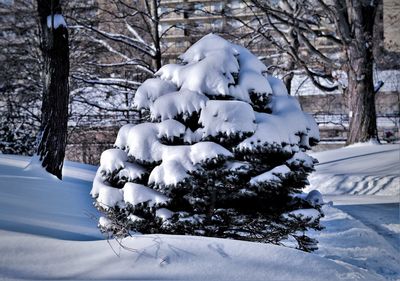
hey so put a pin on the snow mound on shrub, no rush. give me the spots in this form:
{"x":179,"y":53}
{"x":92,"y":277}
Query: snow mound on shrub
{"x":219,"y":92}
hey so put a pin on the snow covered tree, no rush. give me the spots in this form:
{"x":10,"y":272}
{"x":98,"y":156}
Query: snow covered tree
{"x":224,"y":155}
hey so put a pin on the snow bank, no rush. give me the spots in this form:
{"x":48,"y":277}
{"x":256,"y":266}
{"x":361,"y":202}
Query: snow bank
{"x":154,"y":257}
{"x":348,"y":240}
{"x":34,"y":203}
{"x":32,"y":226}
{"x":363,"y":170}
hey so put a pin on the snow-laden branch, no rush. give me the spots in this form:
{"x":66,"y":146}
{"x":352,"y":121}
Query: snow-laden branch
{"x":133,"y":31}
{"x":110,"y":81}
{"x":128,"y":60}
{"x":121,"y":38}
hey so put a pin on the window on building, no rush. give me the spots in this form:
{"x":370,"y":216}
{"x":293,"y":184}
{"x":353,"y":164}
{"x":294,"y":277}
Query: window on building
{"x":7,"y":2}
{"x":235,"y":4}
{"x":217,"y":25}
{"x":163,"y":27}
{"x":200,"y":25}
{"x":235,"y":23}
{"x":8,"y":34}
{"x":198,"y":8}
{"x":179,"y":44}
{"x":162,"y":10}
{"x":217,"y":7}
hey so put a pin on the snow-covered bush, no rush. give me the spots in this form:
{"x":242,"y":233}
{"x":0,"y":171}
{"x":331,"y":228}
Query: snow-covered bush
{"x":16,"y":137}
{"x":222,"y":156}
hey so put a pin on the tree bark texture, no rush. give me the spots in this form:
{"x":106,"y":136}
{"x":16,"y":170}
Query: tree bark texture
{"x":360,"y":92}
{"x":55,"y":51}
{"x":155,"y":33}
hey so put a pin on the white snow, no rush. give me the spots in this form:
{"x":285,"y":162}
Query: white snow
{"x":57,"y":19}
{"x":348,"y":240}
{"x":112,"y":160}
{"x":314,"y":197}
{"x":208,"y":45}
{"x":122,"y":137}
{"x":367,"y":169}
{"x":286,"y":125}
{"x":312,"y":214}
{"x":184,"y":102}
{"x":393,"y":227}
{"x":42,"y":237}
{"x":131,"y":171}
{"x":137,"y":193}
{"x":205,"y":76}
{"x":106,"y":196}
{"x":178,"y":160}
{"x":170,"y":129}
{"x":193,"y":137}
{"x":143,"y":140}
{"x":210,"y":66}
{"x":171,"y":171}
{"x":266,"y":124}
{"x":277,"y":86}
{"x":301,"y":157}
{"x":203,"y":151}
{"x":228,"y":117}
{"x":105,"y":222}
{"x":150,"y":90}
{"x":272,"y":175}
{"x":33,"y":203}
{"x":164,"y":213}
{"x":155,"y":257}
{"x":143,"y":143}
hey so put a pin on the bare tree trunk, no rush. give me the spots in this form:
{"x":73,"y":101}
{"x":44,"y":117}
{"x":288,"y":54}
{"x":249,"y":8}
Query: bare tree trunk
{"x":54,"y":46}
{"x":155,"y":34}
{"x":361,"y":94}
{"x":361,"y":101}
{"x":288,"y":78}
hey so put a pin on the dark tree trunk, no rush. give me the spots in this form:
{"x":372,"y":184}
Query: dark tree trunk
{"x":361,"y":94}
{"x":156,"y":34}
{"x":287,"y":80}
{"x":361,"y":101}
{"x":53,"y":129}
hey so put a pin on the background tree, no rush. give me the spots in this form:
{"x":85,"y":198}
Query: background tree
{"x":20,"y":83}
{"x":125,"y":43}
{"x":55,"y":50}
{"x":324,"y":39}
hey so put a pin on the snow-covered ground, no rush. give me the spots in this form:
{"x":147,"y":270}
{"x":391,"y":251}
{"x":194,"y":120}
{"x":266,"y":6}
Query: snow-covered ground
{"x":362,"y":169}
{"x":48,"y":230}
{"x":363,"y":228}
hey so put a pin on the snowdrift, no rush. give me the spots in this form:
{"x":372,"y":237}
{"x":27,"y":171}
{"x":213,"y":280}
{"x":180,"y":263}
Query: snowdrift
{"x":46,"y":233}
{"x":363,"y":169}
